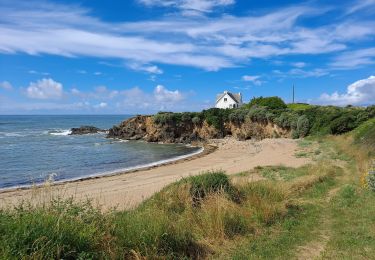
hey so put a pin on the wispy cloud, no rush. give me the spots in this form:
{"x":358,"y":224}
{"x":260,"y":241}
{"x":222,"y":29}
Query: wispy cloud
{"x":203,"y":42}
{"x":6,"y":85}
{"x":152,"y":69}
{"x":360,"y":5}
{"x":189,"y":7}
{"x":353,"y":59}
{"x":254,"y":79}
{"x":299,"y":64}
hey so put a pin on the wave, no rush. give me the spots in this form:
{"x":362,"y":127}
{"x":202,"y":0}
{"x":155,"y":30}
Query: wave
{"x":12,"y":134}
{"x":60,"y":132}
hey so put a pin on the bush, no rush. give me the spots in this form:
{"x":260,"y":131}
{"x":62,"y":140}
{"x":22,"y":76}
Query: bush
{"x":162,"y":118}
{"x":269,"y":102}
{"x":258,"y":114}
{"x":216,"y":117}
{"x":365,"y":134}
{"x":211,"y":182}
{"x":238,"y":116}
{"x":287,"y":120}
{"x":196,"y":120}
{"x":303,"y":126}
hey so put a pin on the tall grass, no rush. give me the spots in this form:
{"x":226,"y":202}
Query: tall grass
{"x":192,"y":218}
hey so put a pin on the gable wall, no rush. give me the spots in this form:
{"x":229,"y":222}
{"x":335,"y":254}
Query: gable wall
{"x":226,"y":104}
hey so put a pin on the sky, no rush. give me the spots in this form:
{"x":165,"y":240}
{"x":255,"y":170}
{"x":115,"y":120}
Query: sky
{"x":145,"y":56}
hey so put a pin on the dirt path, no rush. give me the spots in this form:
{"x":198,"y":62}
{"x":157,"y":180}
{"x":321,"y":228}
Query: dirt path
{"x":315,"y":248}
{"x":128,"y":190}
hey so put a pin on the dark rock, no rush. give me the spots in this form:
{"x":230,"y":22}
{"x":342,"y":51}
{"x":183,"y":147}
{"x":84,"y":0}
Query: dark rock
{"x":86,"y":130}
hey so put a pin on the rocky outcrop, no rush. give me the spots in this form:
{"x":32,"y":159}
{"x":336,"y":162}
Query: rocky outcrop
{"x":143,"y":128}
{"x":86,"y":130}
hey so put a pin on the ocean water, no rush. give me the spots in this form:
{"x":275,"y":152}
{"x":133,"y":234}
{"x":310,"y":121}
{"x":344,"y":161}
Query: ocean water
{"x":36,"y":148}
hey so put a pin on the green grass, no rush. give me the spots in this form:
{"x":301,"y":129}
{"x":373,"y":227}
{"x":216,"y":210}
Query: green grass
{"x":282,"y":172}
{"x":353,"y":233}
{"x":299,"y":106}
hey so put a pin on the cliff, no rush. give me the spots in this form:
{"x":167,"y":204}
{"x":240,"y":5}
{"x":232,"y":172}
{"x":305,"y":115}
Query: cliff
{"x":144,"y":128}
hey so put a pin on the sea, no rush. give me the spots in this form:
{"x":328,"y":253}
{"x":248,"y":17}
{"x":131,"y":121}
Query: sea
{"x":38,"y":148}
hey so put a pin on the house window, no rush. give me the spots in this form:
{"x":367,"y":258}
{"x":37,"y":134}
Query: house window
{"x":225,"y":99}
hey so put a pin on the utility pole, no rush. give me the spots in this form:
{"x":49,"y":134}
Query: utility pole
{"x":293,"y":93}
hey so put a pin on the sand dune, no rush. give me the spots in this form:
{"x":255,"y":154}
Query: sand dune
{"x":129,"y":189}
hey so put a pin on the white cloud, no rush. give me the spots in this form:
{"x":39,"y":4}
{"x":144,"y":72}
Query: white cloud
{"x":360,"y":5}
{"x":97,"y":73}
{"x":102,"y":105}
{"x":361,"y":92}
{"x":209,"y":43}
{"x":6,"y":85}
{"x":164,"y":95}
{"x":37,"y":72}
{"x":189,"y":6}
{"x":45,"y":88}
{"x":254,"y":79}
{"x":353,"y":59}
{"x":152,"y":69}
{"x":299,"y":64}
{"x":99,"y":92}
{"x":300,"y":73}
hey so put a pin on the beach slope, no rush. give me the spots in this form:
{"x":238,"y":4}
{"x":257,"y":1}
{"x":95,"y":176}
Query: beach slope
{"x":127,"y":190}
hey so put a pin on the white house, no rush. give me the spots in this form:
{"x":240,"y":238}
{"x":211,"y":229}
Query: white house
{"x":228,"y":100}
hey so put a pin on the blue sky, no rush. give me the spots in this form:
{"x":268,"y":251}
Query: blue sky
{"x":144,"y":56}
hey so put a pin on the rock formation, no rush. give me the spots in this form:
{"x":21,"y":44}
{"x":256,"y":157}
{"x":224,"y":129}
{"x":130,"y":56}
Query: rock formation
{"x":86,"y":130}
{"x":143,"y":128}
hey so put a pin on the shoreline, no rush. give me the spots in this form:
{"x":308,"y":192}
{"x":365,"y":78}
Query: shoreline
{"x":204,"y":149}
{"x":129,"y":189}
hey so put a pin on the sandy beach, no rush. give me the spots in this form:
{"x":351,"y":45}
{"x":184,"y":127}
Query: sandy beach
{"x":127,"y":190}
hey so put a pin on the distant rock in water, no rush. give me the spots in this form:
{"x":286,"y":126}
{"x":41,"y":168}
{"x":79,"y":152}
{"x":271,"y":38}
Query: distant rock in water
{"x":86,"y":130}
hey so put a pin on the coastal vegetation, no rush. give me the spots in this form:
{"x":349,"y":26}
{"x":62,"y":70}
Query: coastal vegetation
{"x":300,"y":119}
{"x":263,"y":117}
{"x":322,"y":209}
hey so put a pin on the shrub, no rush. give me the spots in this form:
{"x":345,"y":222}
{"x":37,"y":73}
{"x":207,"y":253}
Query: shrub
{"x":238,"y":116}
{"x":196,"y":120}
{"x":270,"y":102}
{"x":216,"y":117}
{"x":162,"y":118}
{"x":342,"y":124}
{"x":185,"y":117}
{"x":211,"y":182}
{"x":303,"y":126}
{"x":258,"y":114}
{"x":365,"y":134}
{"x":287,"y":120}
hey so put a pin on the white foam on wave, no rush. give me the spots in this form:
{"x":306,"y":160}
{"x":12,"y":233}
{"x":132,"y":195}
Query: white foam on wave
{"x":60,"y":132}
{"x":12,"y":134}
{"x":121,"y":141}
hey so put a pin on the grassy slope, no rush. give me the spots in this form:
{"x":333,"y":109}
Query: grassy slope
{"x":321,"y":209}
